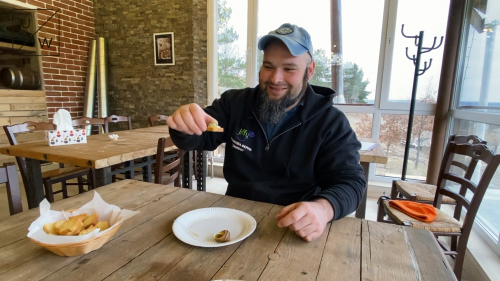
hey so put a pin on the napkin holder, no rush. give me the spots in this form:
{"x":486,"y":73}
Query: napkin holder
{"x":64,"y":134}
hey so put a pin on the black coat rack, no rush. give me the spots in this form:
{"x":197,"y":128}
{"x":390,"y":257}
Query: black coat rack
{"x":416,"y":61}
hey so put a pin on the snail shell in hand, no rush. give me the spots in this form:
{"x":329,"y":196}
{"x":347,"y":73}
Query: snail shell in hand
{"x":223,"y":236}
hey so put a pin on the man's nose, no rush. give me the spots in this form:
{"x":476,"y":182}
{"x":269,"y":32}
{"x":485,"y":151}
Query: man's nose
{"x":277,"y":76}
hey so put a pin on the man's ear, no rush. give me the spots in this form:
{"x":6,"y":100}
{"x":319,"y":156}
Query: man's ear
{"x":310,"y":68}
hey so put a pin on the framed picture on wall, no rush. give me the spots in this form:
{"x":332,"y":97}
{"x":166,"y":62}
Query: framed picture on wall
{"x":164,"y":48}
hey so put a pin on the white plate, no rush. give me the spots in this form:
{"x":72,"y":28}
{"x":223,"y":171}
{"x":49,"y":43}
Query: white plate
{"x":198,"y":227}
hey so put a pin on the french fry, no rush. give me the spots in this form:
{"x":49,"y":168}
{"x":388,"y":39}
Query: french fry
{"x":88,"y":230}
{"x":103,"y":225}
{"x":76,"y":225}
{"x":57,"y":226}
{"x":82,"y":216}
{"x":71,"y":227}
{"x":49,"y":228}
{"x":91,"y":220}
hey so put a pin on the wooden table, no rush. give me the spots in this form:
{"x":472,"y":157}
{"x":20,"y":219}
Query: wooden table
{"x":377,"y":155}
{"x":144,"y":248}
{"x":99,"y":153}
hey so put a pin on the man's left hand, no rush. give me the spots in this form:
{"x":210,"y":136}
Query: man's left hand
{"x":307,"y":219}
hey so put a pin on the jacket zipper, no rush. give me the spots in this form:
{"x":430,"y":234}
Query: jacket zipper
{"x":267,"y":147}
{"x":269,"y":142}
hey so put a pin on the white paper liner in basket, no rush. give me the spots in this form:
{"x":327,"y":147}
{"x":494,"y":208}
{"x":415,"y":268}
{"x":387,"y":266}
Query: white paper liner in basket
{"x":106,"y":211}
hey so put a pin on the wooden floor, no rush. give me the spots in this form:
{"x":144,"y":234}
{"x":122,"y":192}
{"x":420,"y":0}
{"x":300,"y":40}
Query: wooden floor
{"x":214,"y":185}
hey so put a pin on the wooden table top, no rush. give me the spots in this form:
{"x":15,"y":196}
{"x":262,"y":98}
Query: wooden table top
{"x":376,"y":155}
{"x":98,"y":152}
{"x":145,"y":247}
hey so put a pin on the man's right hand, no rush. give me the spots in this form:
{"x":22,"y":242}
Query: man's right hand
{"x":190,"y":119}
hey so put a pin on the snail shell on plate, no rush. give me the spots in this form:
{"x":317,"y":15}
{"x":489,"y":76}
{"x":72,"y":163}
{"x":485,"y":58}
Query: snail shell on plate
{"x":223,"y":236}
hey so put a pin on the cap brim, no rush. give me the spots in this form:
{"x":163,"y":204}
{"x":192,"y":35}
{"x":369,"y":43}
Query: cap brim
{"x":295,"y":48}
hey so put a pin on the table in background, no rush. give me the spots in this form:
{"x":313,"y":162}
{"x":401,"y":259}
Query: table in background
{"x":145,"y":247}
{"x":376,"y":155}
{"x":99,"y":153}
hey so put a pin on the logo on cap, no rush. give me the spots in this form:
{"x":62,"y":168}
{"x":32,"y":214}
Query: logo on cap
{"x":284,"y":30}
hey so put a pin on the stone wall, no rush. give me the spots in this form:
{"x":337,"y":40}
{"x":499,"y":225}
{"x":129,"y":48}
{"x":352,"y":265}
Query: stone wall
{"x":136,"y":86}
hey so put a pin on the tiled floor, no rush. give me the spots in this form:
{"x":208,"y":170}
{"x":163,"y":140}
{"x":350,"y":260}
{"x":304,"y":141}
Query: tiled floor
{"x":214,"y":185}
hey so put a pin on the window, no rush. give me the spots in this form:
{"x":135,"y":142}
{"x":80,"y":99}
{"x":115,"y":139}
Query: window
{"x":377,"y":78}
{"x":476,"y":103}
{"x":373,"y":43}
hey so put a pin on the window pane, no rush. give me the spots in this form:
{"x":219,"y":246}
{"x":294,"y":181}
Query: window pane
{"x":232,"y":44}
{"x":314,"y":17}
{"x":431,"y":17}
{"x":361,"y":23}
{"x":393,"y":130}
{"x":489,"y":213}
{"x":481,"y":60}
{"x":361,"y":124}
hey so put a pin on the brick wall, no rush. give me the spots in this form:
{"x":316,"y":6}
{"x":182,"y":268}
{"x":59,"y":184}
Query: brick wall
{"x":137,"y":87}
{"x":65,"y":73}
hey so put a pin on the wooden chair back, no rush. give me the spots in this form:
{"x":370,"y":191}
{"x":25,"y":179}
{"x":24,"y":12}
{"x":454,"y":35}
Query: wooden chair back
{"x":157,"y":119}
{"x":8,"y":175}
{"x":117,"y":119}
{"x":28,"y":126}
{"x":469,"y":168}
{"x":489,"y":161}
{"x":173,"y":168}
{"x":87,"y":121}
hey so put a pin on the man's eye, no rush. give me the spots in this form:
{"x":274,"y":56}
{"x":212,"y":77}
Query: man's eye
{"x":289,"y":69}
{"x":267,"y":67}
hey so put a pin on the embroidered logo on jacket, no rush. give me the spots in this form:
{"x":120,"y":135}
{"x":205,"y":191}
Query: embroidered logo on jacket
{"x":243,"y":135}
{"x":239,"y":146}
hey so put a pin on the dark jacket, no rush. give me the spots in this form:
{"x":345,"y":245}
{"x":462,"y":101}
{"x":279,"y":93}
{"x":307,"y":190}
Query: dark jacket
{"x":314,"y":155}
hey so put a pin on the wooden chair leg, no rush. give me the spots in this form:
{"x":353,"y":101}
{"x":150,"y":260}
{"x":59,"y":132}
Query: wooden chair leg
{"x":394,"y":191}
{"x":381,"y":211}
{"x":64,"y":189}
{"x":80,"y":185}
{"x":49,"y":193}
{"x":91,"y":179}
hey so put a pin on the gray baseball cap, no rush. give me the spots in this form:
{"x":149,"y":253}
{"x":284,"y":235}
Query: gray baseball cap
{"x":297,"y":39}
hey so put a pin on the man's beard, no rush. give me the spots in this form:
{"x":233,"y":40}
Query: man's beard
{"x":273,"y":111}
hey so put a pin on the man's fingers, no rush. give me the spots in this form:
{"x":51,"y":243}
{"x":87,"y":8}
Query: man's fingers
{"x":181,"y":126}
{"x":188,"y":119}
{"x":292,"y":217}
{"x":199,"y":118}
{"x":209,"y":119}
{"x":305,"y":230}
{"x":286,"y":210}
{"x":171,"y":123}
{"x":312,"y":236}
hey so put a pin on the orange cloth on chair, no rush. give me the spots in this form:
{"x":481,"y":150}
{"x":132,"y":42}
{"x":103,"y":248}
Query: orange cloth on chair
{"x":420,"y":211}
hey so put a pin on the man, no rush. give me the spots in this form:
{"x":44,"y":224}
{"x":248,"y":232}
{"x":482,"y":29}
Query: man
{"x":285,"y":142}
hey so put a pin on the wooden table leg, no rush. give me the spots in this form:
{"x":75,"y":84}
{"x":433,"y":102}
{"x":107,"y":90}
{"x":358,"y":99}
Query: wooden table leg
{"x":35,"y":182}
{"x":103,"y":176}
{"x":360,"y":212}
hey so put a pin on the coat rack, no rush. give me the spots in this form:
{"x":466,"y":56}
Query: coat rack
{"x":416,"y":61}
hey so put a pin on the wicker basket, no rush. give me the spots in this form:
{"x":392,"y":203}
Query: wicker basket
{"x":82,"y":247}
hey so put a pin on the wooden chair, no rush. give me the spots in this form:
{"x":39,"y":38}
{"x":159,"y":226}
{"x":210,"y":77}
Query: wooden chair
{"x":117,"y":119}
{"x":173,"y":167}
{"x":424,"y":193}
{"x":443,"y":224}
{"x":157,"y":119}
{"x":87,"y":121}
{"x":8,"y":175}
{"x":51,"y":177}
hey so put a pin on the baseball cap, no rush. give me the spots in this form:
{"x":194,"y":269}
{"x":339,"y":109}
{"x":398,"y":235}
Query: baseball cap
{"x":297,"y":39}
